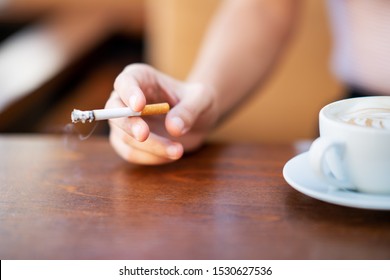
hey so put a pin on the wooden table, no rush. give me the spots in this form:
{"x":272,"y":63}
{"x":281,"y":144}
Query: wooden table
{"x":79,"y":200}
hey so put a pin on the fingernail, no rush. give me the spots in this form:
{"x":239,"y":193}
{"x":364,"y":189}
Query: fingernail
{"x":179,"y":124}
{"x":172,"y":151}
{"x":133,"y":101}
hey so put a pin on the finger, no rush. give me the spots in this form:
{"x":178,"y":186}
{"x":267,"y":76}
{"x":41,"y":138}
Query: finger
{"x":134,"y":126}
{"x":182,"y":117}
{"x":155,"y":144}
{"x":120,"y":142}
{"x":159,"y":146}
{"x":132,"y":155}
{"x":128,"y":86}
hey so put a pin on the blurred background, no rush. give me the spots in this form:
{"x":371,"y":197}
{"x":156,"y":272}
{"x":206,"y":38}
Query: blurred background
{"x":57,"y":55}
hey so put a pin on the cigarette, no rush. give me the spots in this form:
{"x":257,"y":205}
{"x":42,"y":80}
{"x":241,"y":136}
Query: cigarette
{"x":105,"y":114}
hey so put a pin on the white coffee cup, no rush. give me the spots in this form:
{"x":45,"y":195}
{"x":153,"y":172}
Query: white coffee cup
{"x":353,"y":150}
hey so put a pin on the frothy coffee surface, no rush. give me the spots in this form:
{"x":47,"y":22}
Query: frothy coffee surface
{"x":367,"y":117}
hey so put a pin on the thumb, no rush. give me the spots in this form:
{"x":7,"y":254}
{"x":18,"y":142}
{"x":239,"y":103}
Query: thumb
{"x":194,"y":101}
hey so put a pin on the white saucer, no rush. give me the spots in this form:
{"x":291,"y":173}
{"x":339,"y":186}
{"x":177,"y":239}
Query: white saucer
{"x":299,"y":175}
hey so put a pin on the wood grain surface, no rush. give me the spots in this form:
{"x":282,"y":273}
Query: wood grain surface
{"x":65,"y":199}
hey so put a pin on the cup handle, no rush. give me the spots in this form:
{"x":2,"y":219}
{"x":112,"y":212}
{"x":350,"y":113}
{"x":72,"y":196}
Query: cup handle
{"x":327,"y":160}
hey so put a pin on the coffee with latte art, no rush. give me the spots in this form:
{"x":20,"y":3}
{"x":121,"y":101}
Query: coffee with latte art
{"x":367,"y":117}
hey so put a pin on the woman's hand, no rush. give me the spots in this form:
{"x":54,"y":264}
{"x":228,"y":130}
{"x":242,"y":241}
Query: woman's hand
{"x":164,"y":138}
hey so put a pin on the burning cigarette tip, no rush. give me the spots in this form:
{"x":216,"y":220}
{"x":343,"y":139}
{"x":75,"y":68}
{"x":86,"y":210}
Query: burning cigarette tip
{"x":82,"y":116}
